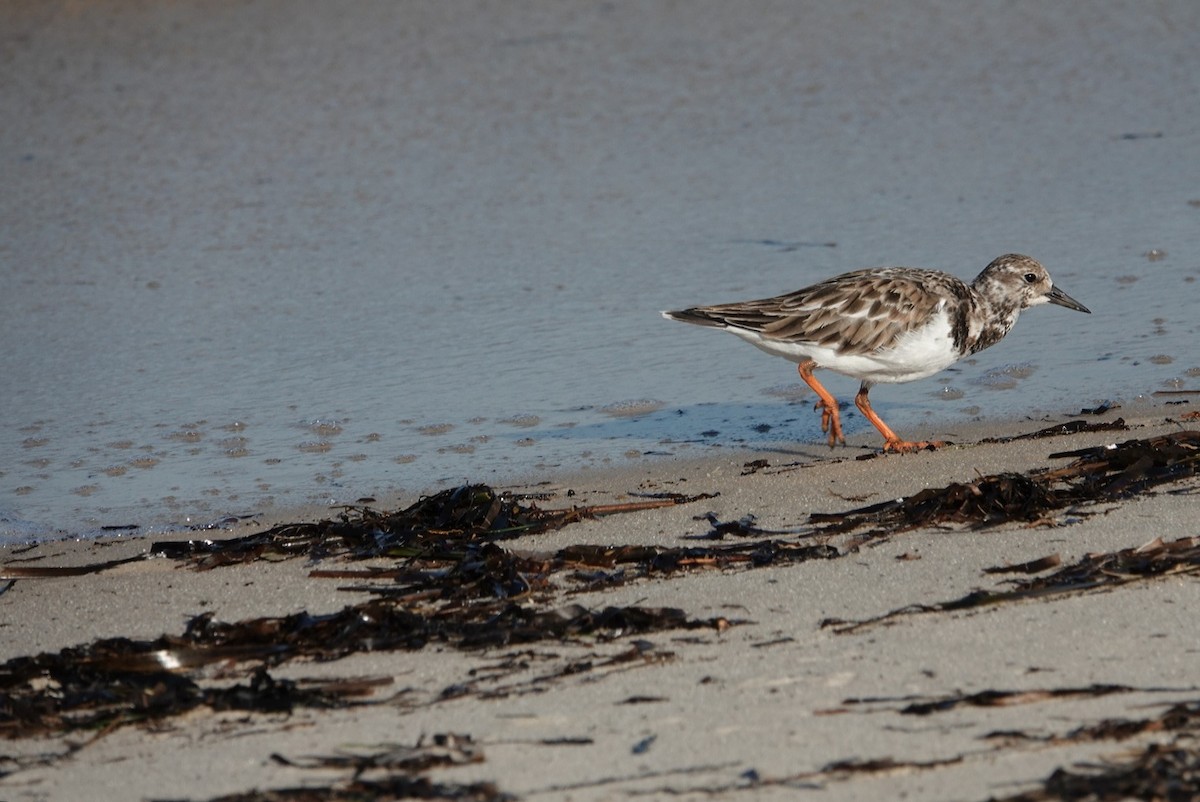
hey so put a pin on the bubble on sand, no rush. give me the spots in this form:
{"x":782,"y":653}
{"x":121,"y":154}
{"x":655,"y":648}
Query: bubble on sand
{"x":632,"y":408}
{"x":235,"y":446}
{"x":948,"y":394}
{"x":522,"y":421}
{"x":323,"y":427}
{"x":1006,"y":377}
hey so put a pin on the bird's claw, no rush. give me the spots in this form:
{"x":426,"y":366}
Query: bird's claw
{"x":831,"y":422}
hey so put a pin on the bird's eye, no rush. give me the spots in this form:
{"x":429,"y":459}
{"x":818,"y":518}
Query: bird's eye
{"x":1030,"y":278}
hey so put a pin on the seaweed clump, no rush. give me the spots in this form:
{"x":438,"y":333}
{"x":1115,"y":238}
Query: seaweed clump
{"x":453,"y":585}
{"x":1096,"y":475}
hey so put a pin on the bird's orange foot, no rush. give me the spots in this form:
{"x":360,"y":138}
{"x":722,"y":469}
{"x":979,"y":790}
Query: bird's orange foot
{"x":831,"y":422}
{"x":907,"y":447}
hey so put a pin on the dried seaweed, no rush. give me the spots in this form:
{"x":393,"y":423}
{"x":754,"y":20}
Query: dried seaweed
{"x":1091,"y":572}
{"x":842,"y":769}
{"x":1104,"y":473}
{"x":1101,"y":569}
{"x":118,"y":680}
{"x":454,"y":586}
{"x":1030,"y":567}
{"x":1160,"y":772}
{"x":648,"y":560}
{"x":440,"y":526}
{"x":1169,"y":771}
{"x":915,"y":705}
{"x":441,"y":750}
{"x":752,"y":780}
{"x":483,"y":684}
{"x":389,"y":789}
{"x":988,"y":500}
{"x":998,"y":698}
{"x":1179,"y":717}
{"x":90,"y":688}
{"x":490,"y":571}
{"x":10,"y":571}
{"x":1070,"y":427}
{"x":447,"y":546}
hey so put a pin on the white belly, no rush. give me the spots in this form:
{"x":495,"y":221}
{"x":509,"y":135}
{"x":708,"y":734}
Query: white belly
{"x":918,"y":355}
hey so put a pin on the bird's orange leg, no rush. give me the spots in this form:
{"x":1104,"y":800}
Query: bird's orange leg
{"x":891,"y":441}
{"x":831,"y":421}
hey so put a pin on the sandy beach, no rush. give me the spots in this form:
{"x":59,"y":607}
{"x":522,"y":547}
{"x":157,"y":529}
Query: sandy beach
{"x":279,"y":277}
{"x":763,"y":688}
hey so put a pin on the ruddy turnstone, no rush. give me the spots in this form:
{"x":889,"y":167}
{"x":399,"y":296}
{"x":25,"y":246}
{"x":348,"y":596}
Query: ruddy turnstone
{"x":886,"y":324}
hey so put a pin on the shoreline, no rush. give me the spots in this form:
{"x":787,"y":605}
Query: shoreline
{"x":773,"y":698}
{"x":864,"y":440}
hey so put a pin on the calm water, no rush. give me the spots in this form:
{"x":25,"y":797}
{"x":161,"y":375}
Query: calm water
{"x":254,"y":258}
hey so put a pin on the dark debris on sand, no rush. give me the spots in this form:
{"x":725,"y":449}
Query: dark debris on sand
{"x":1095,"y":571}
{"x":438,"y":527}
{"x":107,"y":684}
{"x":391,"y":788}
{"x":1098,"y":474}
{"x":454,"y":586}
{"x":118,"y":681}
{"x":399,"y":767}
{"x":1167,"y":771}
{"x":1158,"y":773}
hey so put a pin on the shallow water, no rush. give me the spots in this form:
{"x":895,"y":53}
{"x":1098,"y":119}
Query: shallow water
{"x":256,"y":258}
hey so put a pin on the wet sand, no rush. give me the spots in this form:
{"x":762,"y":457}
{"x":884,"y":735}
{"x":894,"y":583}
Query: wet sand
{"x":767,"y":704}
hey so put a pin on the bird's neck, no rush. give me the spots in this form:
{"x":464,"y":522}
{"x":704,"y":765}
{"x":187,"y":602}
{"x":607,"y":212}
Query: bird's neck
{"x":997,"y":314}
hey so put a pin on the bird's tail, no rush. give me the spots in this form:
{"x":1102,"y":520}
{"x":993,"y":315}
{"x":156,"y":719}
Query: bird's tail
{"x":695,"y":315}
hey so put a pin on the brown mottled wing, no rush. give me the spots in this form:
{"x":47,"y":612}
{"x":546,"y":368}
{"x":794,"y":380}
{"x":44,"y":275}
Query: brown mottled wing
{"x":859,"y":312}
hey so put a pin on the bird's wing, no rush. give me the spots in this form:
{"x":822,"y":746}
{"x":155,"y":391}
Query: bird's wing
{"x":857,"y":313}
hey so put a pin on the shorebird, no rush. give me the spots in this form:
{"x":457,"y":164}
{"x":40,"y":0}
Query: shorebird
{"x":886,"y":325}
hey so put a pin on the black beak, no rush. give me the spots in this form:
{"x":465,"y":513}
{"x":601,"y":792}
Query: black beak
{"x":1057,"y":296}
